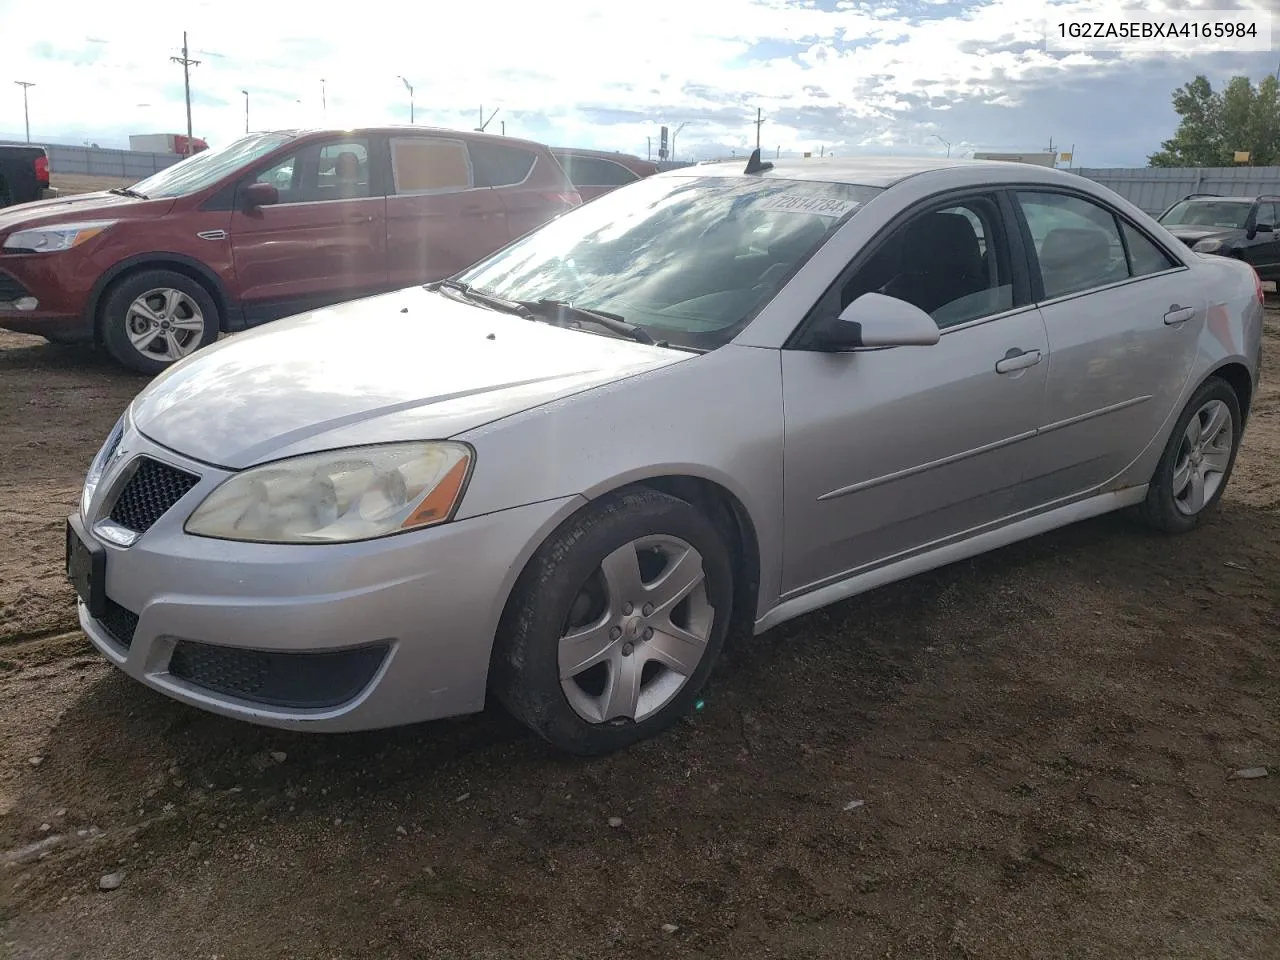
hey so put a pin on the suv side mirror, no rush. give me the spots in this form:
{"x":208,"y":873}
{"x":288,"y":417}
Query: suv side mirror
{"x":1264,"y":228}
{"x":875,"y":320}
{"x":260,"y":195}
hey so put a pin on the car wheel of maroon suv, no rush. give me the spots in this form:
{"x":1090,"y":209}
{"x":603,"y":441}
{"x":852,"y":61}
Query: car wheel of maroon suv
{"x":153,"y":318}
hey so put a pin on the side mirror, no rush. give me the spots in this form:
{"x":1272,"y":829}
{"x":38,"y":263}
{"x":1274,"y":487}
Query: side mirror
{"x":260,"y":195}
{"x":1264,"y":228}
{"x":875,"y":320}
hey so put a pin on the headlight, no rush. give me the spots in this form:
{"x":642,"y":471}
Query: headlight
{"x":100,"y":464}
{"x":338,"y":496}
{"x":1207,"y":246}
{"x":55,"y":237}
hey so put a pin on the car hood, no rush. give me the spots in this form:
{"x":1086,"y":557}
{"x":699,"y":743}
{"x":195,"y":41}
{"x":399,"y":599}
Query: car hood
{"x":81,"y":206}
{"x":1194,"y":234}
{"x":401,"y":366}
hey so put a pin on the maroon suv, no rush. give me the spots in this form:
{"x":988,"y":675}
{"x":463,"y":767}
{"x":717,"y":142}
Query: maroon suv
{"x":269,"y":226}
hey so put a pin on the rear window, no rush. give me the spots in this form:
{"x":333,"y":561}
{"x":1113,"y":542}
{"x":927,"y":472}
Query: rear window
{"x":500,"y":165}
{"x":595,"y":172}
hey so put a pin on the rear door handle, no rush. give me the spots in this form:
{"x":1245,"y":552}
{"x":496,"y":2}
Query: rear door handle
{"x":1179,"y":314}
{"x":1017,"y":359}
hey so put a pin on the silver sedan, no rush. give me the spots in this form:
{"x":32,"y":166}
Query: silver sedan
{"x":712,"y":400}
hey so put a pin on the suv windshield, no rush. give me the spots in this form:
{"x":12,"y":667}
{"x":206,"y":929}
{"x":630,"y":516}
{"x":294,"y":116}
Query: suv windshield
{"x":1208,"y":213}
{"x":209,"y":166}
{"x":688,"y":259}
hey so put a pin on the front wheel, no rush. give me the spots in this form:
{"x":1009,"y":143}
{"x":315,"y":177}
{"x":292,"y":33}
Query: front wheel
{"x":154,"y":318}
{"x":616,"y":623}
{"x":1197,"y":462}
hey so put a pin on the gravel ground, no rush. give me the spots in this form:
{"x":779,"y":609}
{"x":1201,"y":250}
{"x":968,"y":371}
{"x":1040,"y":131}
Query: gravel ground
{"x":1041,"y":741}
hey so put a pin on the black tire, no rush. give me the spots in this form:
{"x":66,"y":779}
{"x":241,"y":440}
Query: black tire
{"x":1158,"y":510}
{"x":112,"y":316}
{"x":525,"y":675}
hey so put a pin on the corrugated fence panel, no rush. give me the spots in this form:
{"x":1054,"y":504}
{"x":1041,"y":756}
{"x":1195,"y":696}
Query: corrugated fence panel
{"x":100,"y":162}
{"x":1155,"y":188}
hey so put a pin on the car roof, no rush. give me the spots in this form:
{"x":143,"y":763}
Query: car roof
{"x":1215,"y":197}
{"x":871,"y":171}
{"x":402,"y":129}
{"x":601,"y":154}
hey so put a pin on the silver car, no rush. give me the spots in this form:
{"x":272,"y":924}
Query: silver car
{"x":715,"y":399}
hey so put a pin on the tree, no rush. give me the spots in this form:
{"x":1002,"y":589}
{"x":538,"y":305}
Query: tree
{"x":1214,"y":125}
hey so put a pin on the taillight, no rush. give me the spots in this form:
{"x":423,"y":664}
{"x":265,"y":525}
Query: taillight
{"x":570,"y":198}
{"x":42,"y":170}
{"x":1257,"y":288}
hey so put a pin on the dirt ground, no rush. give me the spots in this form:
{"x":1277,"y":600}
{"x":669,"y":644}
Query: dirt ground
{"x":1042,"y":740}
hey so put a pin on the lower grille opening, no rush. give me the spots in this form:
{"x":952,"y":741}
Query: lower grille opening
{"x":11,"y":288}
{"x":119,"y":623}
{"x":275,"y":678}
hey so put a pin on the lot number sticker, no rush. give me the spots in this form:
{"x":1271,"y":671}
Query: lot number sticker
{"x":799,"y":203}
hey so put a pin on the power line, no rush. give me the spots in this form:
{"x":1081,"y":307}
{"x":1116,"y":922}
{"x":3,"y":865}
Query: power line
{"x":187,"y":64}
{"x":25,"y":85}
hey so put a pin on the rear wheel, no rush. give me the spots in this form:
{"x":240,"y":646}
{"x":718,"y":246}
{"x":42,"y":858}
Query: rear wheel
{"x":616,"y":623}
{"x":154,"y":318}
{"x":1197,"y":462}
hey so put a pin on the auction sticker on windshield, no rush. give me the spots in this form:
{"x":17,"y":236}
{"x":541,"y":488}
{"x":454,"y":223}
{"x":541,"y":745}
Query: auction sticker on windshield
{"x":800,"y":203}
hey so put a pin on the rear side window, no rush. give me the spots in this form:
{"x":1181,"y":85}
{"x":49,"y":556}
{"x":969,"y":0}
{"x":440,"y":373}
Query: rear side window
{"x":1144,"y":256}
{"x":1077,"y":242}
{"x":499,"y":165}
{"x":430,"y":165}
{"x":595,"y":172}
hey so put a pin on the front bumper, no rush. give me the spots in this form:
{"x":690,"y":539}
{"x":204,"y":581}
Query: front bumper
{"x":333,"y":637}
{"x":34,"y":304}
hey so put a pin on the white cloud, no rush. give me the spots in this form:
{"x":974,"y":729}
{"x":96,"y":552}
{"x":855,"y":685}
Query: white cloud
{"x":575,"y":71}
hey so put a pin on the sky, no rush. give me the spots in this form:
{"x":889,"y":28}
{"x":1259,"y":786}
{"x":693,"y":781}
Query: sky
{"x":840,"y":76}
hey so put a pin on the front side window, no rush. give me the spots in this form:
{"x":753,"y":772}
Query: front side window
{"x":206,"y":168}
{"x":1077,"y":242}
{"x":952,"y":262}
{"x":688,"y":258}
{"x":1225,"y":214}
{"x":430,"y":165}
{"x":319,"y":172}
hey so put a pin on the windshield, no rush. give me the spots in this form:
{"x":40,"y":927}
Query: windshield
{"x":208,"y":167}
{"x":688,"y":259}
{"x":1208,"y":213}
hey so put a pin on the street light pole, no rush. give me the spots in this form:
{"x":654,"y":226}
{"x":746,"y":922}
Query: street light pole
{"x":187,"y":64}
{"x":246,"y":110}
{"x":946,"y":142}
{"x":673,"y":138}
{"x":408,"y":86}
{"x":324,"y":101}
{"x":25,"y":85}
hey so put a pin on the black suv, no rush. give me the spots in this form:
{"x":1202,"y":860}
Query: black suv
{"x":1247,"y":228}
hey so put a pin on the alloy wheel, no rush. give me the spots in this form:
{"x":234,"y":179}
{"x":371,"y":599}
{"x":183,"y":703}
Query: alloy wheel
{"x":164,"y":324}
{"x":1203,"y":458}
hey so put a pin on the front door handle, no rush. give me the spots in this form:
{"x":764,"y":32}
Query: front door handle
{"x":1017,"y":359}
{"x":1179,"y":314}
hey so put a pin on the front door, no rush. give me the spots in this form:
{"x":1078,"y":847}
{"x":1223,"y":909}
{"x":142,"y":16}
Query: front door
{"x":889,"y":451}
{"x":323,"y":242}
{"x":1123,"y":318}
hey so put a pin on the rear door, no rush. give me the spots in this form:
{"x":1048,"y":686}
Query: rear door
{"x":326,"y":238}
{"x":441,"y":216}
{"x":1122,"y":317}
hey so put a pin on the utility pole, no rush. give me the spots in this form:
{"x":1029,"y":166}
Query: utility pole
{"x":759,"y":121}
{"x":25,"y":85}
{"x":187,"y":64}
{"x":649,"y":140}
{"x":246,"y":110}
{"x":324,"y":100}
{"x":408,"y":86}
{"x":503,"y":125}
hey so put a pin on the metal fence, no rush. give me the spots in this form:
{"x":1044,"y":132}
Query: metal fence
{"x":1155,"y":188}
{"x":102,"y":162}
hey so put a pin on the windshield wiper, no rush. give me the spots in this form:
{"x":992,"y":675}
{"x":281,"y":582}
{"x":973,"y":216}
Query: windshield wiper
{"x":610,"y":321}
{"x":485,"y":299}
{"x":128,"y":192}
